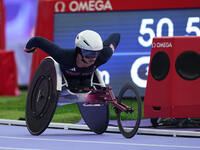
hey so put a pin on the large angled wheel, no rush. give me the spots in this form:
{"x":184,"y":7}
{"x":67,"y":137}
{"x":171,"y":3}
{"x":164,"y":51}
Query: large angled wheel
{"x":129,"y":122}
{"x":96,"y":117}
{"x":42,"y":98}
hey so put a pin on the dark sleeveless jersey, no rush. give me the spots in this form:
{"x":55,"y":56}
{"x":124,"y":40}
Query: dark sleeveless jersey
{"x":67,"y":58}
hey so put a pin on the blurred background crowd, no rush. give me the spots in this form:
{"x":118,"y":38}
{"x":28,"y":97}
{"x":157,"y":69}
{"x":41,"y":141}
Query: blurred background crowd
{"x":20,"y":24}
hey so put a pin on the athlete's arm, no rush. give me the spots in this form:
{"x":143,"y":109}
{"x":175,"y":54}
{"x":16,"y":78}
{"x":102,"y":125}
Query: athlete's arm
{"x":112,"y":41}
{"x":42,"y":43}
{"x":109,"y":46}
{"x":59,"y":54}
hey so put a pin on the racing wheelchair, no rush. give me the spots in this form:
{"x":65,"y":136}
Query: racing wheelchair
{"x":49,"y":89}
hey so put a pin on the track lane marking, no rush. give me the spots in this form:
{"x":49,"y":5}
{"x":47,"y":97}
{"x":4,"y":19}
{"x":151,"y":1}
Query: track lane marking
{"x":102,"y":142}
{"x":14,"y":148}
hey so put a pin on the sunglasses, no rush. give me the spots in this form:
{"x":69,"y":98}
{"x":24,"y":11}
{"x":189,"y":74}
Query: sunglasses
{"x":89,"y":54}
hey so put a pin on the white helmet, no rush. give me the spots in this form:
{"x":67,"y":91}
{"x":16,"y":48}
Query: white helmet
{"x":89,"y":40}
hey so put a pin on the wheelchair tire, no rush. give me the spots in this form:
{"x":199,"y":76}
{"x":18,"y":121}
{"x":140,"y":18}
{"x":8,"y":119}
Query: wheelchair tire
{"x":129,"y":96}
{"x":42,"y":98}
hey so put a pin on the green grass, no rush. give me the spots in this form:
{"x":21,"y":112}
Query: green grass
{"x":125,"y":116}
{"x":67,"y":114}
{"x":14,"y":108}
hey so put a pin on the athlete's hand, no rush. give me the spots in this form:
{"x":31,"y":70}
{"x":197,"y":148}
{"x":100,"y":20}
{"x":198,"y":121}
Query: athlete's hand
{"x":30,"y":50}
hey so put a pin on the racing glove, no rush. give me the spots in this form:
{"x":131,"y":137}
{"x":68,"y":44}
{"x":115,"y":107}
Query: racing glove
{"x":30,"y":50}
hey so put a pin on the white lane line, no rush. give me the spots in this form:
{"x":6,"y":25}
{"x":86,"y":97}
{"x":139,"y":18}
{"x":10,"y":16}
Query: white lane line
{"x":131,"y":53}
{"x":14,"y":148}
{"x":102,"y":142}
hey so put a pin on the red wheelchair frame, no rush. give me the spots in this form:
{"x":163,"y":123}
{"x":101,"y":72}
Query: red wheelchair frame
{"x":105,"y":95}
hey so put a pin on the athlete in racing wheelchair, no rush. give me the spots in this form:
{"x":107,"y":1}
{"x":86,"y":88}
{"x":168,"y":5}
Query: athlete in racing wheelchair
{"x":71,"y":67}
{"x":71,"y":76}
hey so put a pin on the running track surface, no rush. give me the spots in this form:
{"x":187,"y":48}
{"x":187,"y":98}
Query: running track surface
{"x":18,"y":138}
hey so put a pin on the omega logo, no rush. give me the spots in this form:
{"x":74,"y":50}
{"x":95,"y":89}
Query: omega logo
{"x":161,"y":44}
{"x":60,"y":6}
{"x":90,"y":5}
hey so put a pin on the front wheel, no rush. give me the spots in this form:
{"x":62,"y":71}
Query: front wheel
{"x":129,"y":122}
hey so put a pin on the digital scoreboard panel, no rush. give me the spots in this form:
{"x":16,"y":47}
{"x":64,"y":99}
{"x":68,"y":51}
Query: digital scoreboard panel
{"x":130,"y":62}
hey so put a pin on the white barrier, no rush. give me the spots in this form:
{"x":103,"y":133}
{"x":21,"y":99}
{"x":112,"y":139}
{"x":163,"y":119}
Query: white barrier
{"x":143,"y":131}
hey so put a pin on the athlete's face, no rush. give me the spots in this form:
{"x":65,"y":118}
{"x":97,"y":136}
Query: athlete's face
{"x":84,"y":62}
{"x":89,"y":57}
{"x":89,"y":61}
